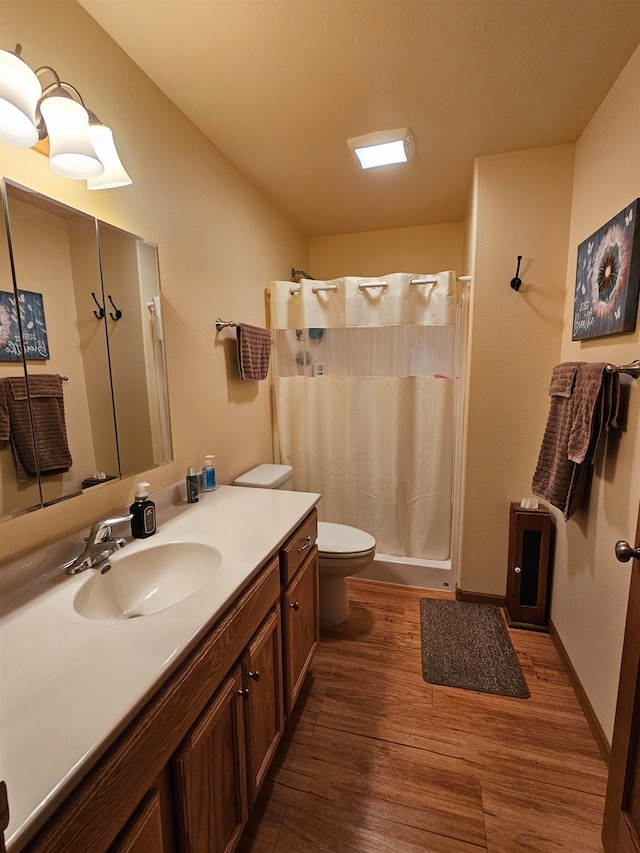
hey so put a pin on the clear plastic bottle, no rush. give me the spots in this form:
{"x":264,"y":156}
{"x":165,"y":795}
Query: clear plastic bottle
{"x":208,"y":474}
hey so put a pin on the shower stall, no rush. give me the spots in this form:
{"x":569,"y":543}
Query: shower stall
{"x":368,"y":378}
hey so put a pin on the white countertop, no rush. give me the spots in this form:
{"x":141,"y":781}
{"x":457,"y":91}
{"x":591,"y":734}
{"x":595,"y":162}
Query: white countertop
{"x":69,"y":685}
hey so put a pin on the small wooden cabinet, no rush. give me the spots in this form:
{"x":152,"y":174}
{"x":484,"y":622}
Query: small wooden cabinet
{"x":529,"y":567}
{"x":184,"y":775}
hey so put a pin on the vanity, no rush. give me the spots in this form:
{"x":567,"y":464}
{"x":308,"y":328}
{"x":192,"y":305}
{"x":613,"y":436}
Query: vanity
{"x":154,"y":730}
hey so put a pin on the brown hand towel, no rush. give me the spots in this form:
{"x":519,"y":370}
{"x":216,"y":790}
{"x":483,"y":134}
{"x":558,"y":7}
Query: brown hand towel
{"x":584,"y":405}
{"x":47,"y":406}
{"x":254,"y":348}
{"x":588,"y":409}
{"x":562,"y":378}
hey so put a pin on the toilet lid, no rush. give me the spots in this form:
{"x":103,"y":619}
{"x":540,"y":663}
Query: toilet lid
{"x":340,"y":539}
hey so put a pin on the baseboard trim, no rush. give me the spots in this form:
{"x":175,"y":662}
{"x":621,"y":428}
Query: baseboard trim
{"x":480,"y":597}
{"x":578,"y":689}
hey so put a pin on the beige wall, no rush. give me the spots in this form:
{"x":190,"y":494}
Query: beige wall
{"x":427,"y":248}
{"x":520,"y":205}
{"x":220,"y":243}
{"x":590,"y":587}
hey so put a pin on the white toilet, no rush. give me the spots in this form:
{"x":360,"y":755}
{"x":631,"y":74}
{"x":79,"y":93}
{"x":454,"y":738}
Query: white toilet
{"x":342,"y":550}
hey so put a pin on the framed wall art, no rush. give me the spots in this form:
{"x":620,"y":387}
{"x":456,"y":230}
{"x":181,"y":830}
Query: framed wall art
{"x":608,"y":278}
{"x":34,"y":329}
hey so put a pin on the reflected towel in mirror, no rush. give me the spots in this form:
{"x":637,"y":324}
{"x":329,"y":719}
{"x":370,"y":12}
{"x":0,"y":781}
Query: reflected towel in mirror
{"x":51,"y":454}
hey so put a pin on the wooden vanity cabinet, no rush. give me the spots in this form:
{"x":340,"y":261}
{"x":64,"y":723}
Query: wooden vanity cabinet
{"x":222,"y":762}
{"x":183,"y":776}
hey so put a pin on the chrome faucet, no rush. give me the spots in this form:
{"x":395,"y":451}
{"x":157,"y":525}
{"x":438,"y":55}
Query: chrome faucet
{"x":99,"y":546}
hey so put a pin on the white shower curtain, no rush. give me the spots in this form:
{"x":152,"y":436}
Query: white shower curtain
{"x":364,"y":381}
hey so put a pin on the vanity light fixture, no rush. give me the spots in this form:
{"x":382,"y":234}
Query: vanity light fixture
{"x":114,"y":174}
{"x":383,"y":147}
{"x":80,"y":145}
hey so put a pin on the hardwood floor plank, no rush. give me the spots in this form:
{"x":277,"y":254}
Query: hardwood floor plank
{"x":309,"y":829}
{"x":539,"y":818}
{"x":377,"y":759}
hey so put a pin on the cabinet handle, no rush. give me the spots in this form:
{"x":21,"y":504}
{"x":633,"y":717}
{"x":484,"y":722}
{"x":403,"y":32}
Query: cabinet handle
{"x":305,"y":545}
{"x":517,"y":570}
{"x":295,"y":605}
{"x":255,"y":675}
{"x":244,"y":692}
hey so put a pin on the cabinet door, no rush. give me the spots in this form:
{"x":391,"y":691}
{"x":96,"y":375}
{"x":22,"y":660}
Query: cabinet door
{"x":529,"y":557}
{"x":264,"y":714}
{"x":300,"y":608}
{"x":147,"y":832}
{"x":210,"y":775}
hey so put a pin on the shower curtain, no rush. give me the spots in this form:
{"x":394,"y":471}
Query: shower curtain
{"x":364,"y":375}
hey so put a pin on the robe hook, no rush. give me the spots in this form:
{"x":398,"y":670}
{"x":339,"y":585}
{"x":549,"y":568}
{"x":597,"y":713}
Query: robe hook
{"x":99,"y":314}
{"x":118,"y":313}
{"x":516,"y":282}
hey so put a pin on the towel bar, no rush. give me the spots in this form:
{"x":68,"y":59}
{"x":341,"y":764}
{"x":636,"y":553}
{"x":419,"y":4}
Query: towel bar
{"x":222,"y":324}
{"x":632,"y":369}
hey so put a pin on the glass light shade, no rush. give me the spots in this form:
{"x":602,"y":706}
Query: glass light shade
{"x":114,"y":174}
{"x":382,"y":147}
{"x":381,"y":155}
{"x":19,"y":93}
{"x":71,"y":152}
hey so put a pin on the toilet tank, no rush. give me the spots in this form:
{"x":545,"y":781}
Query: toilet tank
{"x":267,"y":477}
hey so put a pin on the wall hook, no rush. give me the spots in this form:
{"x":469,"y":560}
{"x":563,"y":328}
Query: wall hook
{"x":118,"y":313}
{"x":99,"y":314}
{"x":516,"y":282}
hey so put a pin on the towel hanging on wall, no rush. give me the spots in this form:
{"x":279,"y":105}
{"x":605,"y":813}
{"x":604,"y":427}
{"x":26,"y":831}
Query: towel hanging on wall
{"x":584,"y":405}
{"x":254,"y":349}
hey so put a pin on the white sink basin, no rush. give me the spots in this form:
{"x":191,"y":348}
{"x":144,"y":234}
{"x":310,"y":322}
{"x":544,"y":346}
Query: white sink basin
{"x":148,"y":580}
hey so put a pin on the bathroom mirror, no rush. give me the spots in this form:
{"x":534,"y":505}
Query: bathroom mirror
{"x":83,"y":393}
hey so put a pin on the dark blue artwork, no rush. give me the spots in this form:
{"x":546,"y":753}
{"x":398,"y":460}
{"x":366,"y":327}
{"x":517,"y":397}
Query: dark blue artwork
{"x":34,"y":329}
{"x":608,"y":278}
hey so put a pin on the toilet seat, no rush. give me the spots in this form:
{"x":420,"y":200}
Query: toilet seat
{"x":340,"y":541}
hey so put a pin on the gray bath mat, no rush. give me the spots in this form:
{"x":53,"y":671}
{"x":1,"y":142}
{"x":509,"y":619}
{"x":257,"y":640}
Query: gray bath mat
{"x":468,"y":646}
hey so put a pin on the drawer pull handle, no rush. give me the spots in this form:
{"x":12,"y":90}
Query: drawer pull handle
{"x":305,"y":545}
{"x":295,"y":605}
{"x":255,"y":675}
{"x":244,"y":692}
{"x":517,"y":570}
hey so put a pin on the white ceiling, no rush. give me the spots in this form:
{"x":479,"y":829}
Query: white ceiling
{"x":279,"y":86}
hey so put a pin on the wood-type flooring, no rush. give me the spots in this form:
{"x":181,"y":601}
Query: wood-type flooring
{"x":375,"y":760}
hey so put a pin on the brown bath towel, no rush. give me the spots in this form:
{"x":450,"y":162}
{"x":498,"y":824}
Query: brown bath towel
{"x":254,"y":349}
{"x":575,"y":426}
{"x":47,"y":406}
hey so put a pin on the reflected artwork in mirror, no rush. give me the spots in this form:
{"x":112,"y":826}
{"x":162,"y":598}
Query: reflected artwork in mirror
{"x":83,"y":394}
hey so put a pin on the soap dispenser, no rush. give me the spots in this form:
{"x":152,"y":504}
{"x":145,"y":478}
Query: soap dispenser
{"x":143,"y":513}
{"x":208,"y":474}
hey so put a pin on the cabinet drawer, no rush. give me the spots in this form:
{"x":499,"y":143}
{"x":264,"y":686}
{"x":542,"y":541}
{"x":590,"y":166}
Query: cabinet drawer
{"x":298,"y":546}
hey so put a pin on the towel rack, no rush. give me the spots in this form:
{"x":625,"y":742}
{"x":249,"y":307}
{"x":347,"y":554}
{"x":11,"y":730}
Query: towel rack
{"x":222,"y":324}
{"x":632,"y":369}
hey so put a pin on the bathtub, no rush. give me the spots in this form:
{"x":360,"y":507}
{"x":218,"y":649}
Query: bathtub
{"x":410,"y":571}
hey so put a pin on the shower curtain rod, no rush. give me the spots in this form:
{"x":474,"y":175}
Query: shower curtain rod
{"x":414,"y":282}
